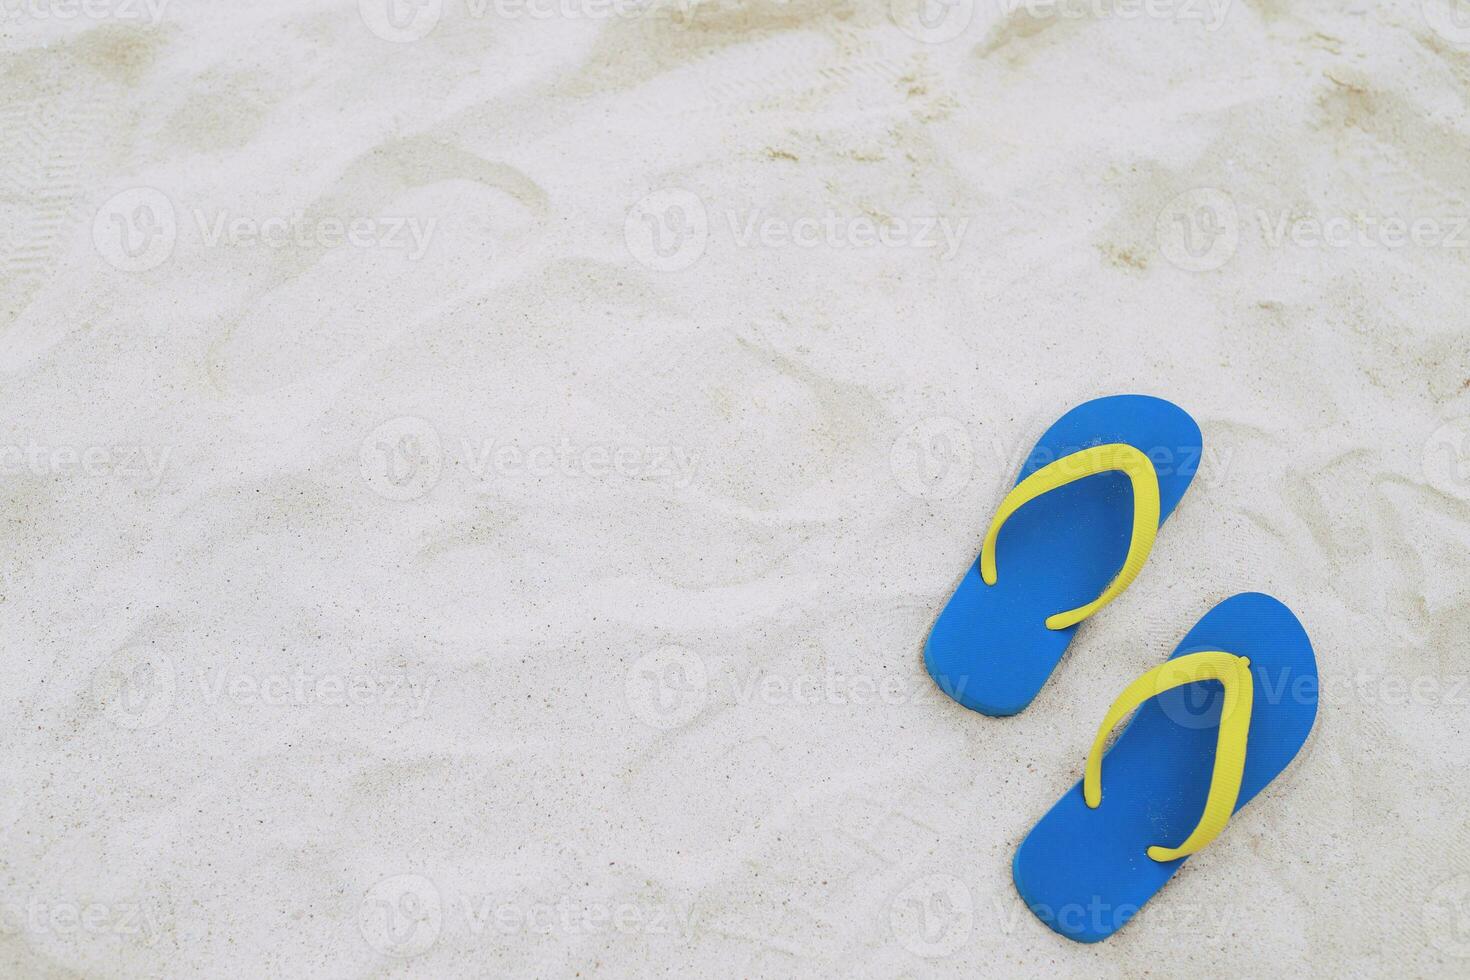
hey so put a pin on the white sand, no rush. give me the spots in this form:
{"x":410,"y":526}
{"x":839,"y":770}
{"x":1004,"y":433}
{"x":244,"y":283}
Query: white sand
{"x":320,"y":666}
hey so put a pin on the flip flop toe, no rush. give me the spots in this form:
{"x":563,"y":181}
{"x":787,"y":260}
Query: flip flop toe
{"x":1213,"y":726}
{"x":1067,"y":540}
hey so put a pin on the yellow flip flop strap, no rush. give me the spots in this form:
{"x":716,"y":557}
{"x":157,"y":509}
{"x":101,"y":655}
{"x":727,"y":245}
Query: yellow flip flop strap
{"x":1088,"y":462}
{"x":1235,"y":722}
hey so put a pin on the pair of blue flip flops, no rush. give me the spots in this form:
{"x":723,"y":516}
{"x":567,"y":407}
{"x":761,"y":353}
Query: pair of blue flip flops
{"x":1212,"y":726}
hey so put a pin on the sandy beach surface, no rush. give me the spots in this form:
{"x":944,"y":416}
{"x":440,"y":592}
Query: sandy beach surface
{"x":478,"y":474}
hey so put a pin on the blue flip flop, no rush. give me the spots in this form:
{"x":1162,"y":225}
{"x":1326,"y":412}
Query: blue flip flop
{"x":1066,"y":541}
{"x":1215,"y":723}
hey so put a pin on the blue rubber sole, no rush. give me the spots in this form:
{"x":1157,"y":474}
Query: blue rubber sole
{"x":990,"y":649}
{"x":1086,"y":872}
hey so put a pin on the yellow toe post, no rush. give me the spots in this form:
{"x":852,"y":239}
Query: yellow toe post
{"x":1235,"y":722}
{"x":1113,"y":456}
